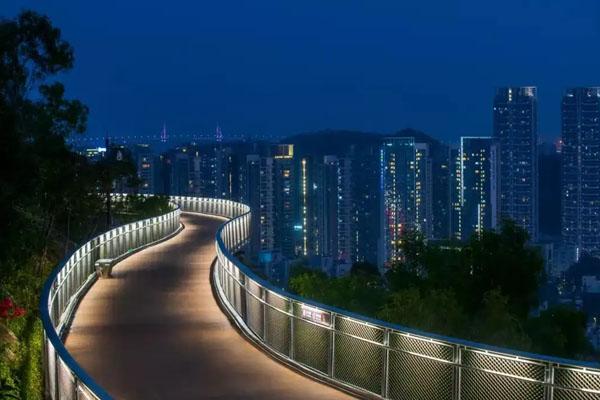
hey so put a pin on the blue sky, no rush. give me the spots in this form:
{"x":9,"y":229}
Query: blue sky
{"x":281,"y":67}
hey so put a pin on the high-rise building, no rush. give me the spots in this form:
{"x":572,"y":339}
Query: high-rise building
{"x":441,"y":177}
{"x":580,"y":154}
{"x":178,"y":170}
{"x":336,"y":214}
{"x":345,"y":226}
{"x":441,"y":168}
{"x":307,"y":221}
{"x":285,"y":198}
{"x":273,"y":178}
{"x":267,"y":204}
{"x":328,"y":207}
{"x":203,"y":170}
{"x":406,"y":193}
{"x":549,"y":185}
{"x":455,"y":194}
{"x":516,"y":133}
{"x":252,"y":174}
{"x":476,"y":186}
{"x":145,"y":166}
{"x":365,"y":193}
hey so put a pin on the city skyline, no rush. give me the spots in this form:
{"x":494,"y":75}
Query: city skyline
{"x":357,"y":192}
{"x":378,"y":69}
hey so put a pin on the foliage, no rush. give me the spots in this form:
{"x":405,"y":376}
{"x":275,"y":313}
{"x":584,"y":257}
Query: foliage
{"x":422,"y":310}
{"x":49,"y":199}
{"x":562,"y":329}
{"x":356,"y":292}
{"x":496,"y":325}
{"x":502,"y":260}
{"x":482,"y":290}
{"x":136,"y":207}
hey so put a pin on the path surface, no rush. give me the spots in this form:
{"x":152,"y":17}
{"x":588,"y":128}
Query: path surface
{"x":154,"y":331}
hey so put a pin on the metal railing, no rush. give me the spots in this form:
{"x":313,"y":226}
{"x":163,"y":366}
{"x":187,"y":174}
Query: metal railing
{"x":378,"y":359}
{"x":64,"y":378}
{"x":366,"y":356}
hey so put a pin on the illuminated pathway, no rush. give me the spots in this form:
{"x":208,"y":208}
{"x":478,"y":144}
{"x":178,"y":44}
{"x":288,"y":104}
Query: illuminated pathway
{"x":154,"y":331}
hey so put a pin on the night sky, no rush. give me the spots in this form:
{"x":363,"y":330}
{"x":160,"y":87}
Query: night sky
{"x":282,"y":67}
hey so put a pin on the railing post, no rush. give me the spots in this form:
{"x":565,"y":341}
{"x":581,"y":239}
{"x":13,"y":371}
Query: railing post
{"x":549,"y":380}
{"x":56,"y":377}
{"x":244,"y":294}
{"x":385,"y":382}
{"x":264,"y":307}
{"x":291,"y":311}
{"x":75,"y":389}
{"x":332,"y":346}
{"x":457,"y":372}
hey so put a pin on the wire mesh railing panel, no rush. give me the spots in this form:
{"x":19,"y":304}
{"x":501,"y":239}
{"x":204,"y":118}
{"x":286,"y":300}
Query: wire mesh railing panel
{"x":277,"y":301}
{"x":230,"y":289}
{"x":366,"y":373}
{"x":504,"y":365}
{"x":254,"y":288}
{"x":566,"y":394}
{"x":238,"y":292}
{"x":421,"y":346}
{"x":359,"y":329}
{"x":255,"y":314}
{"x":477,"y":384}
{"x":572,"y":378}
{"x":419,"y":378}
{"x":278,"y":328}
{"x":311,"y":345}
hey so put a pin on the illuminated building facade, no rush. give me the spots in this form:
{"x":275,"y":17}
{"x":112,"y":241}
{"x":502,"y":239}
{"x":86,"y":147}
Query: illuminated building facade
{"x":516,"y":133}
{"x":336,"y":211}
{"x":476,"y":186}
{"x":455,"y":194}
{"x":580,"y":155}
{"x":251,"y":196}
{"x":145,"y":165}
{"x":406,"y":193}
{"x":307,"y":226}
{"x":285,"y":200}
{"x":267,"y":204}
{"x":366,"y":194}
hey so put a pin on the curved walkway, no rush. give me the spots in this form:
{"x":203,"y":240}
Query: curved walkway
{"x":155,"y":331}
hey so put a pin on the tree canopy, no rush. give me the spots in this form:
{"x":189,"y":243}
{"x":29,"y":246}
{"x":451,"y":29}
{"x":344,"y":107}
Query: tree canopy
{"x":51,"y":198}
{"x":483,"y":290}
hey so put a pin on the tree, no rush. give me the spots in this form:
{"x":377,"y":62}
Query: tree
{"x":43,"y":184}
{"x":48,"y":196}
{"x":364,"y":268}
{"x":503,"y":260}
{"x":434,"y":311}
{"x":559,"y":331}
{"x":496,"y":325}
{"x":35,"y":119}
{"x":115,"y":167}
{"x":358,"y":292}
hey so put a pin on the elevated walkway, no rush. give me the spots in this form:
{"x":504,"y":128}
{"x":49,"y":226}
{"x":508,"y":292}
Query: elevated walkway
{"x":155,"y":331}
